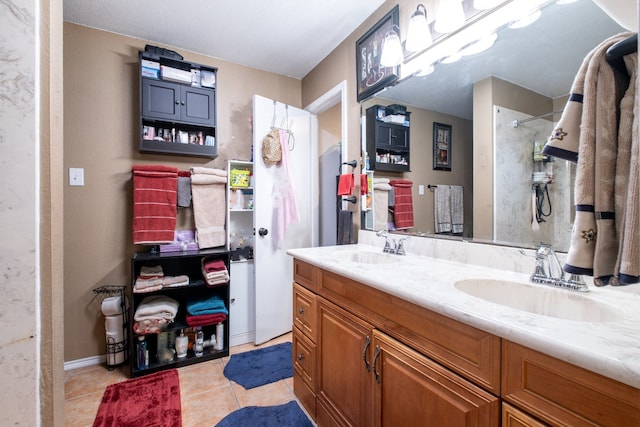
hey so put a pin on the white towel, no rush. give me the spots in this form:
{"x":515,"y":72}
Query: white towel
{"x":442,"y":208}
{"x":457,"y":208}
{"x":208,"y":189}
{"x":157,"y":307}
{"x":380,"y":206}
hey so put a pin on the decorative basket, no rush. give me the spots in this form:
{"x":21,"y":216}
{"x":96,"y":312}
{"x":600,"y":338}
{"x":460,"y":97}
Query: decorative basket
{"x":239,"y":178}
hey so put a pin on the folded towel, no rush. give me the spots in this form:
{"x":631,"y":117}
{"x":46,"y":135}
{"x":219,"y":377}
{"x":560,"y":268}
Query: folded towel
{"x":205,"y":304}
{"x":206,"y":319}
{"x":346,"y":184}
{"x":151,"y":271}
{"x":381,"y":206}
{"x":184,"y":189}
{"x":345,"y":227}
{"x":157,"y":307}
{"x":214,"y":265}
{"x":149,"y":326}
{"x":208,"y":189}
{"x":381,"y":180}
{"x":143,"y":283}
{"x":175,"y":281}
{"x":154,"y":203}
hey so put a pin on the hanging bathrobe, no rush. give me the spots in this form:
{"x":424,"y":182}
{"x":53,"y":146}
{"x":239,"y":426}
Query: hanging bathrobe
{"x":286,"y":210}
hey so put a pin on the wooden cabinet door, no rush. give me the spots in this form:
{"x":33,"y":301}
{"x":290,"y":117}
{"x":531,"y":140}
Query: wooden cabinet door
{"x":399,"y":138}
{"x":343,"y":367}
{"x":412,"y":390}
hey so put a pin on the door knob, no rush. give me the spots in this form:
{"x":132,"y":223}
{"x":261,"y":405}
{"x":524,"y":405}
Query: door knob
{"x":263,"y":231}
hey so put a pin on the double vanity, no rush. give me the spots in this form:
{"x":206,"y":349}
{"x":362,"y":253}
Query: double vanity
{"x":453,"y":334}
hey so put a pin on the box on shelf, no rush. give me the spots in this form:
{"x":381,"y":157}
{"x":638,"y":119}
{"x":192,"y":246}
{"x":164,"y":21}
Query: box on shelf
{"x":207,"y":78}
{"x":173,"y":74}
{"x":239,"y":178}
{"x":150,"y":69}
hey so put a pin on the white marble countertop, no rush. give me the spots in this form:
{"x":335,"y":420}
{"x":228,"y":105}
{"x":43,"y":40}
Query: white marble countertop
{"x":609,"y":348}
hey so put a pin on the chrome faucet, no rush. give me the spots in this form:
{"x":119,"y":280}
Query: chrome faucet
{"x":390,"y":244}
{"x":548,"y":271}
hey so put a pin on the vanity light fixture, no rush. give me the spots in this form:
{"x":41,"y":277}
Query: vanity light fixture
{"x":418,"y":34}
{"x":449,"y":16}
{"x":526,"y":20}
{"x":392,"y":54}
{"x":486,"y":4}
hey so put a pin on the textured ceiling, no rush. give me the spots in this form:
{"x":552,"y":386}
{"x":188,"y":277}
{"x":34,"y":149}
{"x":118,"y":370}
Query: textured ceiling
{"x":288,"y":37}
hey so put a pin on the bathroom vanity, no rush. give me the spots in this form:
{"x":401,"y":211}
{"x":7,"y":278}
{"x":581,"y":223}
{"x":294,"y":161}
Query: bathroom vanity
{"x":383,"y":339}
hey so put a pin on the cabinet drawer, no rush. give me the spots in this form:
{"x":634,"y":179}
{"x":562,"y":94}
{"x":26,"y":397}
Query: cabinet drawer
{"x":304,"y":358}
{"x":305,"y":395}
{"x":305,"y":274}
{"x":563,"y":394}
{"x":513,"y":417}
{"x":470,"y":352}
{"x":305,"y":311}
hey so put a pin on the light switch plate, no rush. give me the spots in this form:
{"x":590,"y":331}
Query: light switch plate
{"x":421,"y":190}
{"x":76,"y":176}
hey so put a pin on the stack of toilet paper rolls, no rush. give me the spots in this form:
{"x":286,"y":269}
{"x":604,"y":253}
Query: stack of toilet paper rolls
{"x":115,"y":333}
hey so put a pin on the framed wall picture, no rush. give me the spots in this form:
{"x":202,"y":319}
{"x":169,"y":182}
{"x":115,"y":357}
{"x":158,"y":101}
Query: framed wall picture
{"x":371,"y":76}
{"x":441,"y":146}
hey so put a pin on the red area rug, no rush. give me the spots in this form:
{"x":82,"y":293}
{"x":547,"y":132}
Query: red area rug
{"x":150,"y":401}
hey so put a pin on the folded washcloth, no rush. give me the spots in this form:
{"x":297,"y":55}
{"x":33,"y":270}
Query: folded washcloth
{"x":214,"y":265}
{"x":153,"y":271}
{"x":198,"y":305}
{"x":175,"y":281}
{"x":143,"y":283}
{"x":157,"y":307}
{"x":206,"y":319}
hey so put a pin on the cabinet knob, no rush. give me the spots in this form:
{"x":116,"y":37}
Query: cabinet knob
{"x":182,"y":103}
{"x":300,"y":310}
{"x":300,"y":357}
{"x":263,"y":231}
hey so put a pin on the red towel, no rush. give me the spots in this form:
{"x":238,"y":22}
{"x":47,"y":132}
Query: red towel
{"x":206,"y":319}
{"x":154,"y":203}
{"x":346,"y":184}
{"x":214,"y":265}
{"x":403,"y":209}
{"x":364,"y":185}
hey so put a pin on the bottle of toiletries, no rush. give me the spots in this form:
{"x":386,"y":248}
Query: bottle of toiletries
{"x":182,"y":344}
{"x":198,"y":346}
{"x":219,"y":337}
{"x":239,"y":199}
{"x":142,"y":352}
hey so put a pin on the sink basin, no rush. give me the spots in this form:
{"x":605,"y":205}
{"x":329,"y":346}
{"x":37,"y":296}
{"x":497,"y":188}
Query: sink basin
{"x":541,"y":300}
{"x":369,"y":257}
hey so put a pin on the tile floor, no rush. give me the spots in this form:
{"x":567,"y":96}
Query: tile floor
{"x":207,"y":395}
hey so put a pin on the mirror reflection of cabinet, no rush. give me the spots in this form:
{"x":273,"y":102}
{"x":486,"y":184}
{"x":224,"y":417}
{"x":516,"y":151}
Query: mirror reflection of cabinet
{"x":388,"y":140}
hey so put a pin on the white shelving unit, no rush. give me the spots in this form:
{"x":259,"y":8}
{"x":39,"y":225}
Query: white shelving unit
{"x":367,"y":205}
{"x":240,"y":239}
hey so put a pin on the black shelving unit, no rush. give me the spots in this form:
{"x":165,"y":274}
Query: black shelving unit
{"x":175,"y":264}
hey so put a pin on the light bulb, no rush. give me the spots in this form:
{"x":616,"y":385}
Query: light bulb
{"x":418,"y":34}
{"x":391,"y":50}
{"x":449,"y":16}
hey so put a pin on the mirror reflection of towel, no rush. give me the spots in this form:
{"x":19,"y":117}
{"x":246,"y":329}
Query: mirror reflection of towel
{"x":442,"y":213}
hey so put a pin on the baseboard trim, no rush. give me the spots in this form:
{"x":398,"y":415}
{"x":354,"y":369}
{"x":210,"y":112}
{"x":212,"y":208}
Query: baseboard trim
{"x":87,"y":361}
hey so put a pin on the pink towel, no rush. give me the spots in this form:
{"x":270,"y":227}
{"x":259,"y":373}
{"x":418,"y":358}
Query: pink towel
{"x":154,"y":203}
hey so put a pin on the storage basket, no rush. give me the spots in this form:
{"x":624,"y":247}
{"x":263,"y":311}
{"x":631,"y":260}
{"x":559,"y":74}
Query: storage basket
{"x":240,"y":178}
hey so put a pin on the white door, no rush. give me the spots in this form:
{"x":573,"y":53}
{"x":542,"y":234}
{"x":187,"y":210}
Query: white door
{"x":273,"y":236}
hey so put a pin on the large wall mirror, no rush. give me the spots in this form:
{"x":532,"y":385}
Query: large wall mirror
{"x":500,"y":104}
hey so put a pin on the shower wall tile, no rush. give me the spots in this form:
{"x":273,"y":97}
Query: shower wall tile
{"x":18,"y":213}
